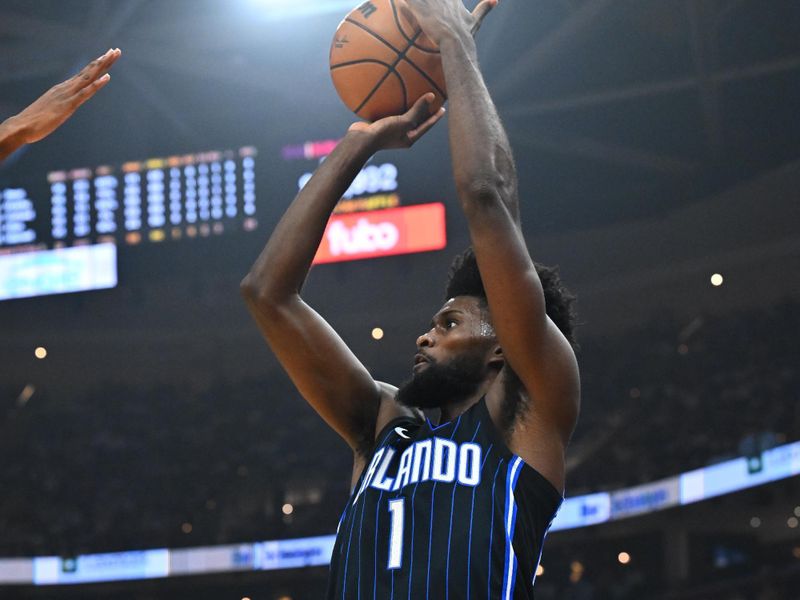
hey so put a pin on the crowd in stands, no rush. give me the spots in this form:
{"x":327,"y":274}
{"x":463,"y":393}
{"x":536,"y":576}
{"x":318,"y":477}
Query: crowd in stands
{"x":126,"y":468}
{"x":678,"y":396}
{"x":123,"y":467}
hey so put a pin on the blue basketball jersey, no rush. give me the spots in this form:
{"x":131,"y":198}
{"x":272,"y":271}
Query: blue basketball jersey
{"x":440,"y":512}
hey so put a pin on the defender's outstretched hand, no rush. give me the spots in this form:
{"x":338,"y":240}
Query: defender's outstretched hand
{"x":56,"y":105}
{"x":438,"y":18}
{"x":404,"y":130}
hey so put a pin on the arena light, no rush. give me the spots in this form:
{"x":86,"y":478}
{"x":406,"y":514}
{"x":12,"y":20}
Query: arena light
{"x":624,"y":558}
{"x":717,"y":280}
{"x":377,"y":333}
{"x":793,"y":523}
{"x":26,"y":394}
{"x":40,"y":352}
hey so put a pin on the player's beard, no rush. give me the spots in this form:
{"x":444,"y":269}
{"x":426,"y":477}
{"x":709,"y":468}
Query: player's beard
{"x":442,"y":383}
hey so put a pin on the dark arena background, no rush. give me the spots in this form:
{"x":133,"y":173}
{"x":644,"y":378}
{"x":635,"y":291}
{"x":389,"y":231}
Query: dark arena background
{"x":153,"y":448}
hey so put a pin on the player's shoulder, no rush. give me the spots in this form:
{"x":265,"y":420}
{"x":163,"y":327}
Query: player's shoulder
{"x":390,"y":409}
{"x":387,"y":389}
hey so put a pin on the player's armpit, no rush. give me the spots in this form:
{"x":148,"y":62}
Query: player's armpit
{"x":539,"y":444}
{"x":324,"y":370}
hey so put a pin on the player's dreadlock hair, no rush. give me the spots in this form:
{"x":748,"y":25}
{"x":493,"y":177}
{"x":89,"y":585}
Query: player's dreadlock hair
{"x":465,"y":280}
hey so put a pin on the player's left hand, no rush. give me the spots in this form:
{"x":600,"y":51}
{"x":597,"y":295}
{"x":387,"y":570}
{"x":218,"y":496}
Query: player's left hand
{"x":58,"y":103}
{"x":440,"y":18}
{"x":404,"y":130}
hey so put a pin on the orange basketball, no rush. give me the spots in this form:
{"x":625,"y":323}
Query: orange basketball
{"x":382,"y":62}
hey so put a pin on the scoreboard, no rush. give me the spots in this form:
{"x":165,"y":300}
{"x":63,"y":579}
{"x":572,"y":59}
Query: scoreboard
{"x":17,"y":214}
{"x":142,"y":201}
{"x":99,"y":210}
{"x":156,"y":199}
{"x":66,"y":239}
{"x":370,"y":220}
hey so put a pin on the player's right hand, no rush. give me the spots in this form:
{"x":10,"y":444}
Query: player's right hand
{"x":404,"y":130}
{"x":440,"y":18}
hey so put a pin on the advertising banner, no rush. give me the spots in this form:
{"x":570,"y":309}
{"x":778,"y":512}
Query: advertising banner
{"x":403,"y":230}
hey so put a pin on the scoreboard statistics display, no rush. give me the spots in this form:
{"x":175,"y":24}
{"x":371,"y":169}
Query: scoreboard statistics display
{"x":155,"y":199}
{"x":67,"y":241}
{"x":144,"y":201}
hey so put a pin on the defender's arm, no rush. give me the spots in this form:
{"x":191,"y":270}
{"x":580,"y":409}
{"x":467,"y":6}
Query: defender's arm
{"x":55,"y":106}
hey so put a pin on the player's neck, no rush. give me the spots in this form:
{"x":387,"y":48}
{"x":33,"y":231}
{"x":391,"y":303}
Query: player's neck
{"x":452,"y":411}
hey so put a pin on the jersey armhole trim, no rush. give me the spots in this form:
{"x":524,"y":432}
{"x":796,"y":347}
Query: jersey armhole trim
{"x":556,"y":496}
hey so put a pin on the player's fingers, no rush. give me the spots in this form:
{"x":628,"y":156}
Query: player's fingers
{"x":480,"y":12}
{"x":421,"y":110}
{"x":417,"y":133}
{"x":359,"y":126}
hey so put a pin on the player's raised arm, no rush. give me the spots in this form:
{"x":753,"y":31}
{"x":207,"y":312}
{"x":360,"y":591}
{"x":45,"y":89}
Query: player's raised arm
{"x":325,"y":371}
{"x":55,"y":106}
{"x":486,"y":181}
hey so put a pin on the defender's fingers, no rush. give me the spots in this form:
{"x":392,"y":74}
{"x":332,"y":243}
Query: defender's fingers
{"x":417,"y":133}
{"x":96,"y":69}
{"x":480,"y":12}
{"x":115,"y":54}
{"x":105,"y":62}
{"x":90,"y":90}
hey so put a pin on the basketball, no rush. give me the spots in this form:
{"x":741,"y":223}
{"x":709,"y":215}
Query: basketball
{"x":382,"y":62}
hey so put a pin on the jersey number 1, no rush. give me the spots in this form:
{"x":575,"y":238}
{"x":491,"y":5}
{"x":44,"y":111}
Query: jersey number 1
{"x":397,"y":512}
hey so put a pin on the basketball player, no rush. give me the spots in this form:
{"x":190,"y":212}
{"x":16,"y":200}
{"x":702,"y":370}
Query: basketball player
{"x":460,"y":508}
{"x":56,"y":105}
